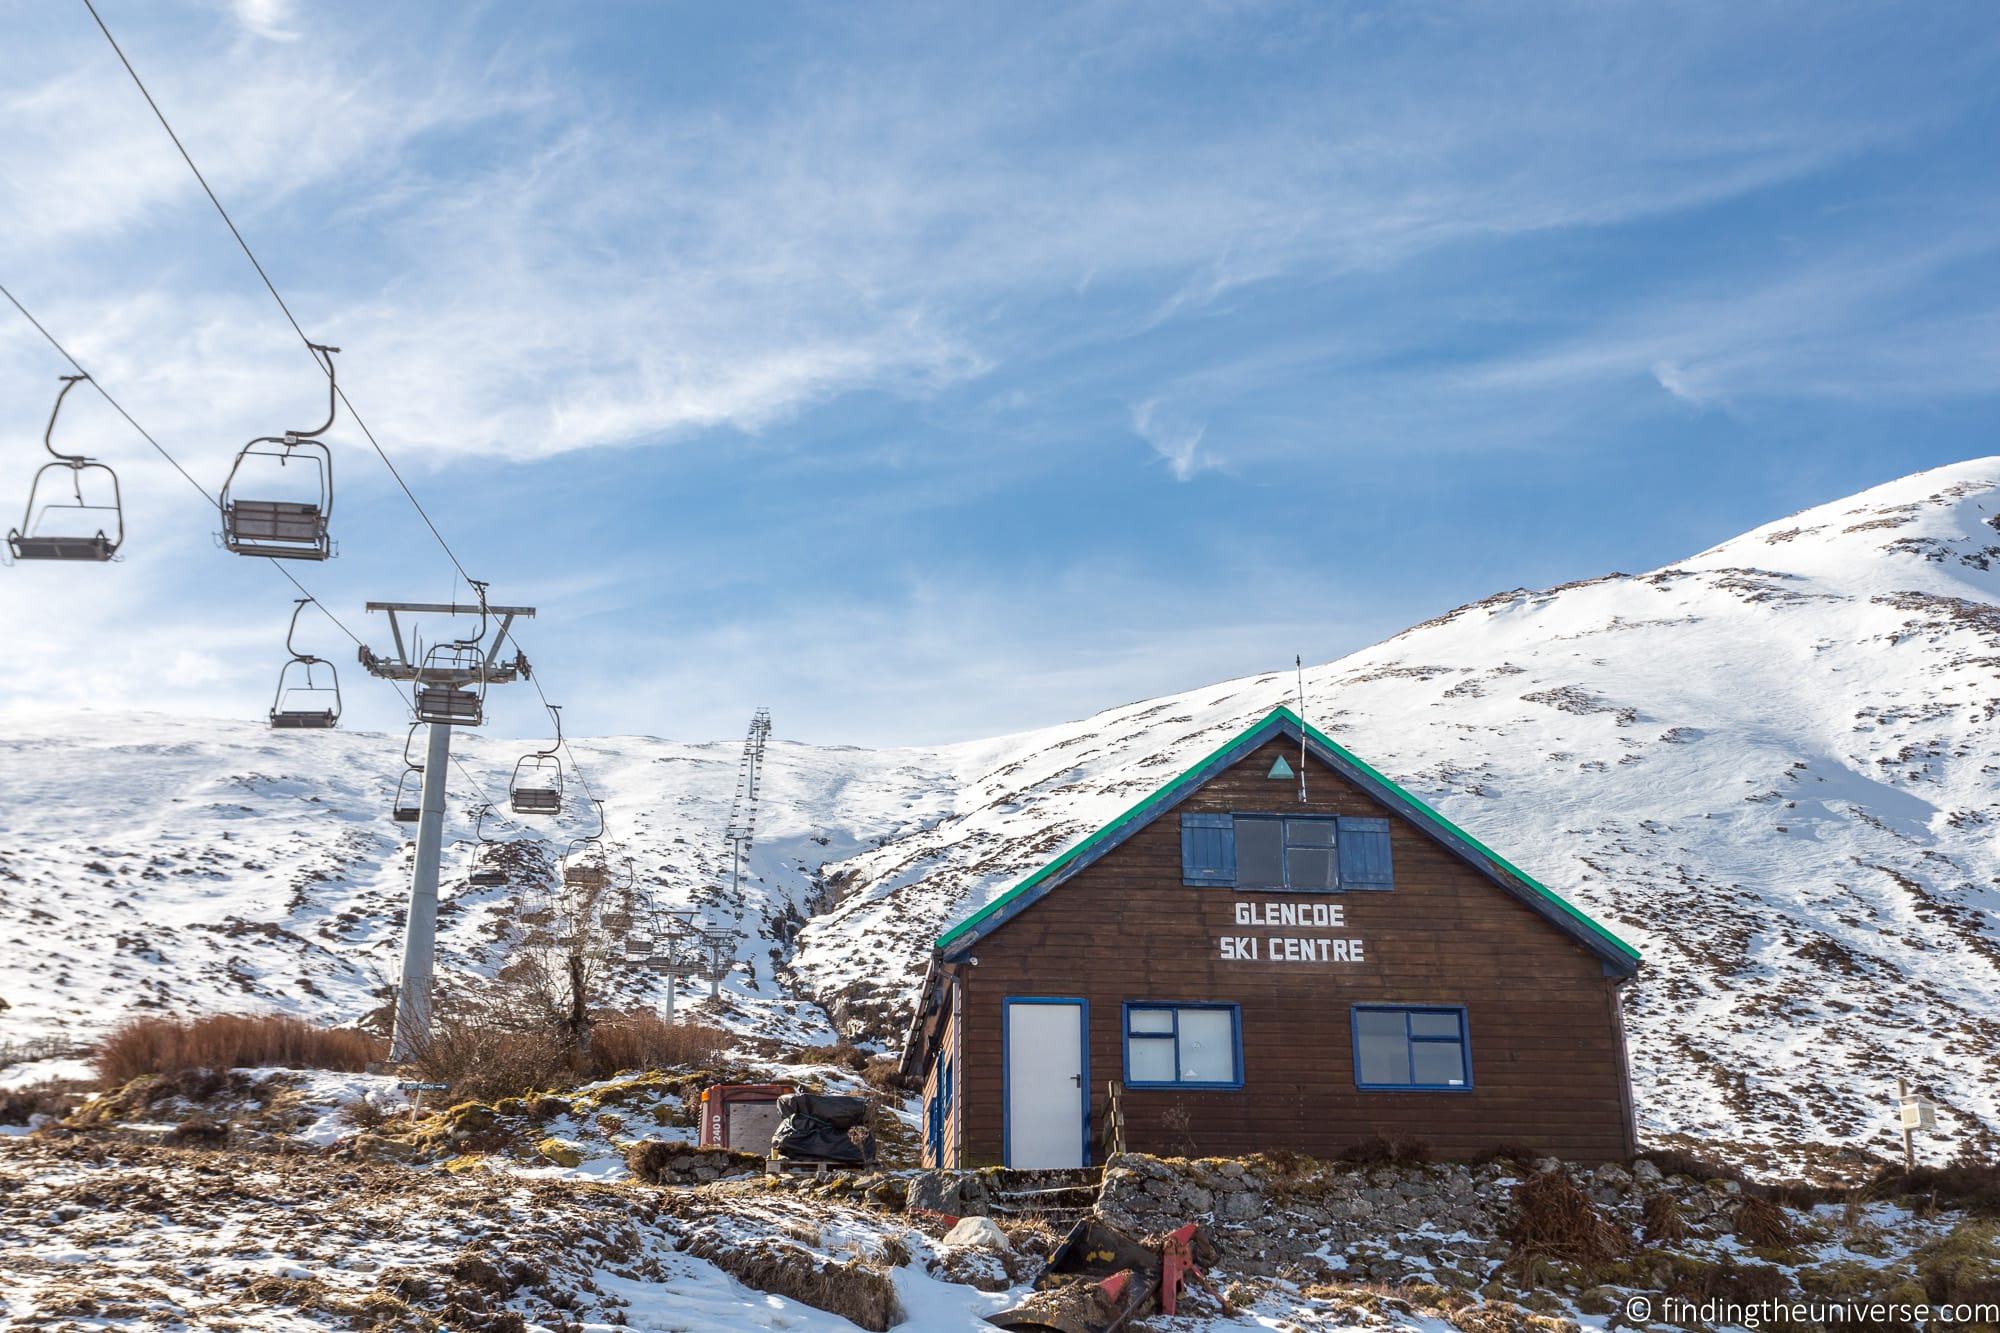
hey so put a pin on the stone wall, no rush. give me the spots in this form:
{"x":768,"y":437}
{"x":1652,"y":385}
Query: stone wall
{"x":1310,"y":1220}
{"x":680,"y":1163}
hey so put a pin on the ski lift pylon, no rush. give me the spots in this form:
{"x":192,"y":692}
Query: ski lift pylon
{"x":286,"y":710}
{"x":28,"y":542}
{"x":538,"y":778}
{"x":283,"y":528}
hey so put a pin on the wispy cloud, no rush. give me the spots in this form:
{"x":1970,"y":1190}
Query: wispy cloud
{"x":589,"y":272}
{"x":267,"y":18}
{"x":1178,"y":443}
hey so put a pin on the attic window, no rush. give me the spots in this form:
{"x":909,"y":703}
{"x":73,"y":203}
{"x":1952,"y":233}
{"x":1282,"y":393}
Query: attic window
{"x":1299,"y":854}
{"x":1273,"y":853}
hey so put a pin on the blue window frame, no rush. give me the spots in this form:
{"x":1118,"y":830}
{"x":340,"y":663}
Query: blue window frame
{"x":1411,"y":1048}
{"x":1286,"y":853}
{"x":1195,"y":1045}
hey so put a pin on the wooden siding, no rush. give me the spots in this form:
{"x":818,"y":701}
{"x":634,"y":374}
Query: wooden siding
{"x":1546,"y":1051}
{"x":945,"y":1049}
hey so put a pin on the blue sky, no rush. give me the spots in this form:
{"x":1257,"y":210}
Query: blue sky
{"x":927,"y":372}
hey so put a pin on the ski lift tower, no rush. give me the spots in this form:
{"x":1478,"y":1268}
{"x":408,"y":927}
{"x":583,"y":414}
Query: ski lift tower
{"x":449,"y":683}
{"x":741,"y":830}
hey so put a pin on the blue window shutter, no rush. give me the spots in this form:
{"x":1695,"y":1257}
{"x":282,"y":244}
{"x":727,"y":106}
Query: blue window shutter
{"x":1208,"y":849}
{"x":1364,"y":854}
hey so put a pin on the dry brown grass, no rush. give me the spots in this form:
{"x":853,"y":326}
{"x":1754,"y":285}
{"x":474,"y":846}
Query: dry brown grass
{"x":1553,"y":1219}
{"x":1664,"y":1223}
{"x":884,"y":1073}
{"x":842,"y":1053}
{"x":1386,"y":1150}
{"x":230,"y":1041}
{"x":643,"y":1040}
{"x":1762,"y":1223}
{"x":483,"y":1061}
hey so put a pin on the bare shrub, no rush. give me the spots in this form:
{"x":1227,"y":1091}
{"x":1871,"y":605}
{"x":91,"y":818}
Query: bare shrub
{"x":363,"y":1114}
{"x":230,"y":1041}
{"x":1553,"y":1219}
{"x":1664,"y":1223}
{"x":1968,"y":1181}
{"x":845,"y":1054}
{"x":1383,"y":1150}
{"x":19,"y":1106}
{"x":482,"y":1054}
{"x":641,"y":1040}
{"x":1763,"y":1223}
{"x":199,"y":1130}
{"x":884,"y":1073}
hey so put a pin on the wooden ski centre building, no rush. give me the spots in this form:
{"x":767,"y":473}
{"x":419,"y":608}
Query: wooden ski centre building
{"x":1244,"y":970}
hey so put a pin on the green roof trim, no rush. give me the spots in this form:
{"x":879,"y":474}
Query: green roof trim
{"x":1149,"y":808}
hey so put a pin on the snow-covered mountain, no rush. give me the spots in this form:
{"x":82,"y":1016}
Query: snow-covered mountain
{"x":1770,"y":766}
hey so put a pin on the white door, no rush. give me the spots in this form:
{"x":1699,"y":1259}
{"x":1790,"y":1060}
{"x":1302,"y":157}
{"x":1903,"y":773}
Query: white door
{"x":1045,"y":1083}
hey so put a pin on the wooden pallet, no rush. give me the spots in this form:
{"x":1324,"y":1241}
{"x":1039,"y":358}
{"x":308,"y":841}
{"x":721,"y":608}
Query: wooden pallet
{"x":780,"y":1166}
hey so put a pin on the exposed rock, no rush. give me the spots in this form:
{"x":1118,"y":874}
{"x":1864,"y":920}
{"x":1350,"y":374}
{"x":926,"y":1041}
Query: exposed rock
{"x":978,"y":1232}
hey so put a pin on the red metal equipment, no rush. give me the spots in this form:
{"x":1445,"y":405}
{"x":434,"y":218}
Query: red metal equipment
{"x":742,"y":1116}
{"x":1099,"y":1279}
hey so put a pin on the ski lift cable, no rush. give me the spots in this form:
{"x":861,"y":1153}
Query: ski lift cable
{"x":203,"y":492}
{"x":272,"y":288}
{"x":299,"y":329}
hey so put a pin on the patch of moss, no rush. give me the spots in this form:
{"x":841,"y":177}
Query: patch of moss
{"x":470,"y":1116}
{"x":1841,"y":1279}
{"x":561,"y":1151}
{"x":458,"y":1166}
{"x":1963,"y":1265}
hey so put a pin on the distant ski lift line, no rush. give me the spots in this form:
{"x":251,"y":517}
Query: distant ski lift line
{"x":153,"y":442}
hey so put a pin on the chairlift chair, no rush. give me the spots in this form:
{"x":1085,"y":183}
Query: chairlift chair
{"x":283,"y":528}
{"x":538,"y":778}
{"x":29,"y":542}
{"x":407,"y":807}
{"x":584,"y":867}
{"x":441,"y":696}
{"x":487,"y":871}
{"x":445,"y":683}
{"x":292,"y":707}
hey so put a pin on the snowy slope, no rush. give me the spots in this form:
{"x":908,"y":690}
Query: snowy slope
{"x":150,"y":862}
{"x":1768,"y":766}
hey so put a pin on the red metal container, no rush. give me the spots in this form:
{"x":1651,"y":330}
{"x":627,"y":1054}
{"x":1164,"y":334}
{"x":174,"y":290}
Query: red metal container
{"x":742,"y":1116}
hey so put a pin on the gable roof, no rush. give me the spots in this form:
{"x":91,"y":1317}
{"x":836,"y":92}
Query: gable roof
{"x":1618,"y":956}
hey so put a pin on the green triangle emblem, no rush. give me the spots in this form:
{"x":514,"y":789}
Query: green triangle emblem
{"x":1281,"y":769}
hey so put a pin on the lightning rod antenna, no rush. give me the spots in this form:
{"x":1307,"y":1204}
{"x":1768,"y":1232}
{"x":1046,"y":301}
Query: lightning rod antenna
{"x":1299,"y":662}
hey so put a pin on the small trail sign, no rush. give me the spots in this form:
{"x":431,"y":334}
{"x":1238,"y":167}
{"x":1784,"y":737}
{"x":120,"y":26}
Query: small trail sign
{"x":1917,"y":1113}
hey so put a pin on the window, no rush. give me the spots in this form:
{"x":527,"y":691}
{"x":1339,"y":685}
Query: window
{"x":1278,"y":853}
{"x":1183,"y":1046}
{"x":1310,"y":854}
{"x":1417,"y":1048}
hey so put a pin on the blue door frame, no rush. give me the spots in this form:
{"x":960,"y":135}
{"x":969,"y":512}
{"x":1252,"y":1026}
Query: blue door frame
{"x":1007,"y":1066}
